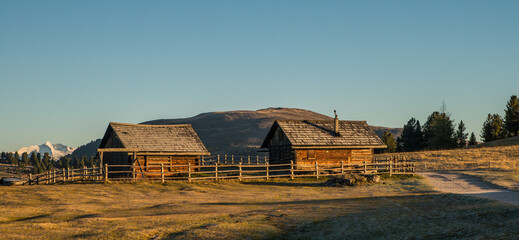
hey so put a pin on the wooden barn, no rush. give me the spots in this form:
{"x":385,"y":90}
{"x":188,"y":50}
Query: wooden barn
{"x":327,"y":142}
{"x":148,"y":146}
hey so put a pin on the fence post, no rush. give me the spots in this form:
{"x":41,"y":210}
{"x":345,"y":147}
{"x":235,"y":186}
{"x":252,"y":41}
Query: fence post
{"x":265,"y":158}
{"x":390,"y":168}
{"x":133,"y":172}
{"x":63,"y":172}
{"x":106,"y":172}
{"x":342,"y":167}
{"x":316,"y":170}
{"x":365,"y":168}
{"x":53,"y":176}
{"x":267,"y":165}
{"x":257,"y":158}
{"x":189,"y":172}
{"x":216,"y":172}
{"x":232,"y":159}
{"x":162,"y":172}
{"x":292,"y":169}
{"x":30,"y":178}
{"x":239,"y":168}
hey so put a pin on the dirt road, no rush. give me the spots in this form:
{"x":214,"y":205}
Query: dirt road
{"x":469,"y":185}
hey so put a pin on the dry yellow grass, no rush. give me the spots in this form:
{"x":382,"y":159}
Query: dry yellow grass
{"x":498,"y":165}
{"x":494,"y":158}
{"x":301,"y":209}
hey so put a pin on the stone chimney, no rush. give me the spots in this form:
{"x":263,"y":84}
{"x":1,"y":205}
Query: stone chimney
{"x":336,"y":124}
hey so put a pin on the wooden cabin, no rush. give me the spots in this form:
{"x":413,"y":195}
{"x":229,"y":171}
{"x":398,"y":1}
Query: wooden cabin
{"x":325,"y":142}
{"x":146,"y":147}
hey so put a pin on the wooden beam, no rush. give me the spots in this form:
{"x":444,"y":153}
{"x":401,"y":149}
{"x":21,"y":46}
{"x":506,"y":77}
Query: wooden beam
{"x":101,"y":150}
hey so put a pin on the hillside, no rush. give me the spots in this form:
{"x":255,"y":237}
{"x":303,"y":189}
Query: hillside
{"x":235,"y":132}
{"x":89,"y":149}
{"x":511,"y":141}
{"x":242,"y":132}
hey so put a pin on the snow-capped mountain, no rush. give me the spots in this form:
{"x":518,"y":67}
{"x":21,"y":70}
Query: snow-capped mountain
{"x":55,"y":150}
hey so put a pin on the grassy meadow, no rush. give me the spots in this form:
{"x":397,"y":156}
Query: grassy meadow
{"x":397,"y":208}
{"x":496,"y":164}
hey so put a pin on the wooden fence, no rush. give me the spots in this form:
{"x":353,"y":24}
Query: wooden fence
{"x":15,"y":169}
{"x":219,"y":171}
{"x":233,"y":159}
{"x":67,"y":175}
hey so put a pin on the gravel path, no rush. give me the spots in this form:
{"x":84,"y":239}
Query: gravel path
{"x":469,"y":185}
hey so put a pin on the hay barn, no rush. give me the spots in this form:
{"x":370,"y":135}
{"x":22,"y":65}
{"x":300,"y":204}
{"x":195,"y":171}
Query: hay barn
{"x":327,"y":142}
{"x":149,"y":146}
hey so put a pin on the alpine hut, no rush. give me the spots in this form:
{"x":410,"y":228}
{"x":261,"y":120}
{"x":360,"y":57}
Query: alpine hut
{"x":326,"y":142}
{"x":148,"y":148}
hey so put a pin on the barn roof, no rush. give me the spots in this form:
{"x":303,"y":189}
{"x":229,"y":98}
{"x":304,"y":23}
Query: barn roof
{"x":157,"y":138}
{"x":319,"y":134}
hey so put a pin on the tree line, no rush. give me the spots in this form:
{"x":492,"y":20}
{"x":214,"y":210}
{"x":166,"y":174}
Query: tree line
{"x":440,"y":131}
{"x":45,"y":163}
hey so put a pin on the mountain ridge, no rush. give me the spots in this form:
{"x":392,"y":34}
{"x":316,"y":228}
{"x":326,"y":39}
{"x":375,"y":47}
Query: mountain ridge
{"x":238,"y":132}
{"x":55,"y":150}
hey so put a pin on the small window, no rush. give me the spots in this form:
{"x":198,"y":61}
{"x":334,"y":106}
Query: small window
{"x":311,"y":154}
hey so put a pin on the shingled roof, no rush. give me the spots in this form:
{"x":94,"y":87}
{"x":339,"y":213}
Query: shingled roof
{"x":320,"y":134}
{"x":157,"y":138}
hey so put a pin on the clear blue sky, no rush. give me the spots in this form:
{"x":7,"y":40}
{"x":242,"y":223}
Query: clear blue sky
{"x":67,"y":68}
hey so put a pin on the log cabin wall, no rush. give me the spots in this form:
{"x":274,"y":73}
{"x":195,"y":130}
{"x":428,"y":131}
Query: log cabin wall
{"x":280,"y":154}
{"x":152,"y":164}
{"x":333,"y":156}
{"x":281,"y":150}
{"x":115,"y":158}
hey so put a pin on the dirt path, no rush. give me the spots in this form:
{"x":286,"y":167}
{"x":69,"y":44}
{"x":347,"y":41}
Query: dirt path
{"x":469,"y":185}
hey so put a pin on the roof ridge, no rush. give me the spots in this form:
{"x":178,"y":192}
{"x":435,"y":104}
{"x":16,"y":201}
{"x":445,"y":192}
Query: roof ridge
{"x":150,"y":125}
{"x":291,"y":120}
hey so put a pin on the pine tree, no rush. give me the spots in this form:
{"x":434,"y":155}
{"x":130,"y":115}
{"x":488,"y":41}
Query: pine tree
{"x":46,"y":162}
{"x":472,"y":140}
{"x":16,"y":158}
{"x":82,"y":162}
{"x":439,"y":131}
{"x":511,"y":119}
{"x":10,"y":158}
{"x":461,"y":136}
{"x":390,"y":142}
{"x":3,"y":157}
{"x":411,"y":137}
{"x":33,"y":158}
{"x":75,"y":163}
{"x":493,"y":128}
{"x":419,"y":136}
{"x":25,"y":160}
{"x":399,"y":145}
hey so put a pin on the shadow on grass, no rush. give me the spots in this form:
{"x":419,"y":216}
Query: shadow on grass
{"x":180,"y":233}
{"x":324,"y":201}
{"x":31,"y":217}
{"x":433,"y":216}
{"x":287,"y":184}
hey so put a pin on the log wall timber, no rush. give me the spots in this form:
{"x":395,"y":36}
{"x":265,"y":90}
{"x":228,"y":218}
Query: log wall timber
{"x":333,"y":156}
{"x":152,"y":164}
